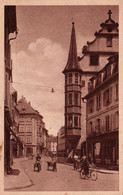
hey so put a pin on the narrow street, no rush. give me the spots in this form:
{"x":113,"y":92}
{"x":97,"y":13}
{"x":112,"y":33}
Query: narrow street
{"x":66,"y":179}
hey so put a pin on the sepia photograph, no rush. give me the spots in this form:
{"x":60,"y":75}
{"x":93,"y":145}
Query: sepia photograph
{"x":61,"y":98}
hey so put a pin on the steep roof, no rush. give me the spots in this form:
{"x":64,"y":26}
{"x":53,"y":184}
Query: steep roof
{"x":72,"y":63}
{"x":24,"y":107}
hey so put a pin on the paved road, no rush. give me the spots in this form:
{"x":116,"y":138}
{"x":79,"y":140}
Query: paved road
{"x":66,"y":179}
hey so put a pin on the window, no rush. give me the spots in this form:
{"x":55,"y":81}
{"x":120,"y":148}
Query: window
{"x":107,"y":96}
{"x":21,"y":128}
{"x":28,"y":139}
{"x":98,"y":101}
{"x":70,"y":78}
{"x":76,"y":98}
{"x":76,"y":121}
{"x":98,"y":125}
{"x":91,"y":106}
{"x":76,"y":78}
{"x":94,"y":60}
{"x":109,"y":41}
{"x":28,"y":128}
{"x":70,"y":121}
{"x":65,"y":79}
{"x":70,"y":98}
{"x":108,"y":122}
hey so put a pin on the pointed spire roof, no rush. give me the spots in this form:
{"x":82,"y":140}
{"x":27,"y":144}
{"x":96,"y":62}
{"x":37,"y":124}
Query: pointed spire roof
{"x":72,"y":63}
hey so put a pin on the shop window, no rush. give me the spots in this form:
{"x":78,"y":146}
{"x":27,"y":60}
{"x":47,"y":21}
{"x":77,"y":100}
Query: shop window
{"x":70,"y":78}
{"x":109,"y":41}
{"x":97,"y":151}
{"x":108,"y":151}
{"x":94,"y":60}
{"x":107,"y":96}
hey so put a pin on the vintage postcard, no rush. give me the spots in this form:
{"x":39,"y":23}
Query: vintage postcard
{"x":61,"y":97}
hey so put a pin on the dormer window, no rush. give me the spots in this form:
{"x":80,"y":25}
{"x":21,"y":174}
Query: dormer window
{"x":109,"y":41}
{"x":94,"y":60}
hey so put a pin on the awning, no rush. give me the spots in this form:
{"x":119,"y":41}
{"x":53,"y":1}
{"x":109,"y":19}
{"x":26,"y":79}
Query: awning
{"x":81,"y":140}
{"x":13,"y":133}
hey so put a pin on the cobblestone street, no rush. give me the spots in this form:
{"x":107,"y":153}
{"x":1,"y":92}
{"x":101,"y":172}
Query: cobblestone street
{"x":66,"y":179}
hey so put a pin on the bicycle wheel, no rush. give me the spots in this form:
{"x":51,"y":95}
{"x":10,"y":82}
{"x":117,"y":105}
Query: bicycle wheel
{"x":82,"y":174}
{"x":94,"y":175}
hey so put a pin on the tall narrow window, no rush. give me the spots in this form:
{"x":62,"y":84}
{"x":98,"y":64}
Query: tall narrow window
{"x":76,"y":121}
{"x":98,"y":101}
{"x":70,"y":98}
{"x":98,"y":125}
{"x":76,"y":98}
{"x":76,"y":78}
{"x":70,"y":121}
{"x":65,"y":79}
{"x":107,"y":96}
{"x":70,"y":78}
{"x":107,"y":123}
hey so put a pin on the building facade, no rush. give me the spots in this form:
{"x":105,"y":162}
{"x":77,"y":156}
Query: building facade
{"x":52,"y":144}
{"x":10,"y":26}
{"x":30,"y":128}
{"x":61,"y":141}
{"x":103,"y":115}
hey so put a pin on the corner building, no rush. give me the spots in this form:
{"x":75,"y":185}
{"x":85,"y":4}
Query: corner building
{"x":103,"y":115}
{"x":95,"y":55}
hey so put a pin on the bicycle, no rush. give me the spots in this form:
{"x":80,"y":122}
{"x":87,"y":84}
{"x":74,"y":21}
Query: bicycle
{"x":92,"y":173}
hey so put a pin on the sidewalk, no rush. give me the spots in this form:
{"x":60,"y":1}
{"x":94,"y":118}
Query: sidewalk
{"x":18,"y":179}
{"x":99,"y":169}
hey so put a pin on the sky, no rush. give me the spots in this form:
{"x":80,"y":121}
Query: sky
{"x":40,"y":53}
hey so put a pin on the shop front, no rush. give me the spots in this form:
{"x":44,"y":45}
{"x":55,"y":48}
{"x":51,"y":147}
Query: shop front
{"x":103,"y":149}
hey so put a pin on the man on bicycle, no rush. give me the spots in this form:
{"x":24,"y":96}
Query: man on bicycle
{"x":85,"y":164}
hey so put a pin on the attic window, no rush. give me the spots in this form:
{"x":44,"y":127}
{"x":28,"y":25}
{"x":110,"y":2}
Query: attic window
{"x":94,"y":60}
{"x":109,"y":41}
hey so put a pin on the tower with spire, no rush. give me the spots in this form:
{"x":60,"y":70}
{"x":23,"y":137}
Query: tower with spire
{"x":72,"y":74}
